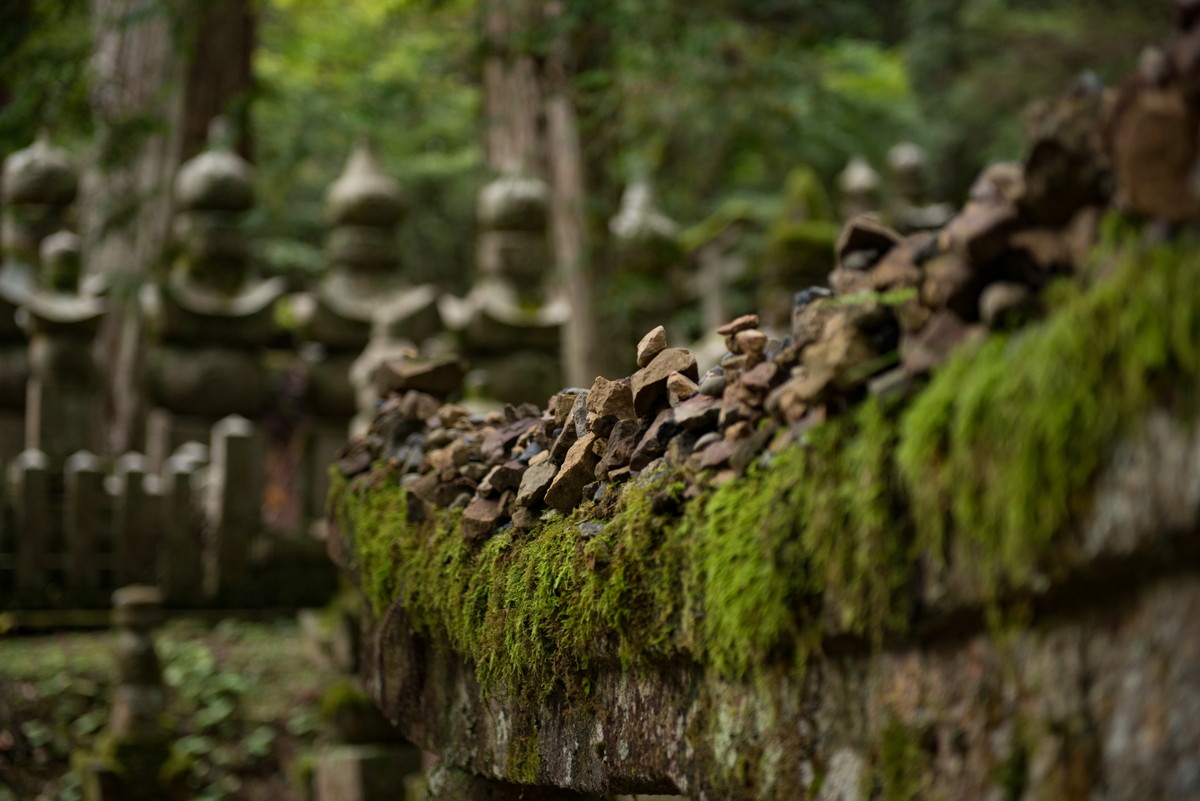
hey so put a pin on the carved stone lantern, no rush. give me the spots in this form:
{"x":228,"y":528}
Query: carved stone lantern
{"x":63,"y":412}
{"x":211,"y":317}
{"x":858,"y":189}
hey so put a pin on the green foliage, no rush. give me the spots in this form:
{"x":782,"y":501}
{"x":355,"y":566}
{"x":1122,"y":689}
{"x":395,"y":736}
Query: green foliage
{"x":44,"y":50}
{"x":402,"y":72}
{"x":237,"y":708}
{"x":977,"y":64}
{"x":991,"y":464}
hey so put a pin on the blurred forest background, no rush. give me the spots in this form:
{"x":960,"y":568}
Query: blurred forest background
{"x":716,"y":101}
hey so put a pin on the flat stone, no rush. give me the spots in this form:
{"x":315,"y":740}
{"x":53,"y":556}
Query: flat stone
{"x":698,"y":412}
{"x":712,"y":383}
{"x":679,"y":388}
{"x":717,"y":454}
{"x":650,"y":383}
{"x":751,"y":342}
{"x":654,"y":343}
{"x":760,"y":377}
{"x":743,"y":323}
{"x":577,"y":471}
{"x":535,"y":482}
{"x":479,"y":518}
{"x":866,"y":233}
{"x":502,"y":477}
{"x":979,"y":233}
{"x":438,"y":377}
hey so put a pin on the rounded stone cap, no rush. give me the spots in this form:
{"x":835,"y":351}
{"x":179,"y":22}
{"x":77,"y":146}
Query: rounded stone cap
{"x":40,"y":173}
{"x":363,"y":194}
{"x":138,"y":606}
{"x":906,"y":157}
{"x":217,"y":179}
{"x":514,"y":202}
{"x":61,"y":247}
{"x":858,"y":177}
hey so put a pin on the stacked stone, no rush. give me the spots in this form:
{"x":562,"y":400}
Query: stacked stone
{"x":133,"y":759}
{"x":39,"y":185}
{"x":362,"y":297}
{"x":510,"y":324}
{"x":211,"y":317}
{"x":63,"y":399}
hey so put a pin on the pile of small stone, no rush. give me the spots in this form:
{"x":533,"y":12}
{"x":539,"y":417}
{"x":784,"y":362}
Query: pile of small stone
{"x":895,"y":307}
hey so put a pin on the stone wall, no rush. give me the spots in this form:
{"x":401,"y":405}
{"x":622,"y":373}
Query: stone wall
{"x":937,"y":543}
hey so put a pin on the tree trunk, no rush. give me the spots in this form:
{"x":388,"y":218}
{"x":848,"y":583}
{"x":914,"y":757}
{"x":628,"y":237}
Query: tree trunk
{"x":161,"y":72}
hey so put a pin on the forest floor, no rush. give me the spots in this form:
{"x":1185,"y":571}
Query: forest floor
{"x":243,"y":707}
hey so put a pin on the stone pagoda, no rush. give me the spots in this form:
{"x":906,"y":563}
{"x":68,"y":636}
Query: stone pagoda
{"x":360,"y":312}
{"x":39,"y":185}
{"x":63,"y":409}
{"x":908,"y":207}
{"x":210,"y":317}
{"x":858,"y":189}
{"x":510,"y":323}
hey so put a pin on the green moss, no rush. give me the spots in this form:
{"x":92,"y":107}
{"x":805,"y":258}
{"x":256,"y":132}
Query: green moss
{"x":999,"y":451}
{"x":987,"y":468}
{"x":901,"y":763}
{"x":524,"y":759}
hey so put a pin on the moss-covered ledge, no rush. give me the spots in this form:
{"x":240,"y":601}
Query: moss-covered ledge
{"x":846,"y":613}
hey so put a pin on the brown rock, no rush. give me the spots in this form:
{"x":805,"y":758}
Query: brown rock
{"x":747,"y":448}
{"x":792,"y":399}
{"x":1154,"y":152}
{"x":650,"y":383}
{"x":534,"y":483}
{"x":563,"y":443}
{"x":524,"y":518}
{"x":897,"y":269}
{"x":654,"y":441}
{"x":743,"y":323}
{"x":438,"y":377}
{"x":479,"y":518}
{"x":980,"y":232}
{"x":501,"y":478}
{"x":932,"y":346}
{"x":751,"y":342}
{"x":621,"y":444}
{"x":809,"y":320}
{"x":680,"y":388}
{"x":841,"y":355}
{"x":418,"y":406}
{"x":1048,"y":248}
{"x":760,"y":377}
{"x":698,"y":412}
{"x":717,"y":454}
{"x":577,"y":471}
{"x":865,"y":234}
{"x":951,"y":283}
{"x":654,"y":343}
{"x":497,"y":443}
{"x":610,"y":400}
